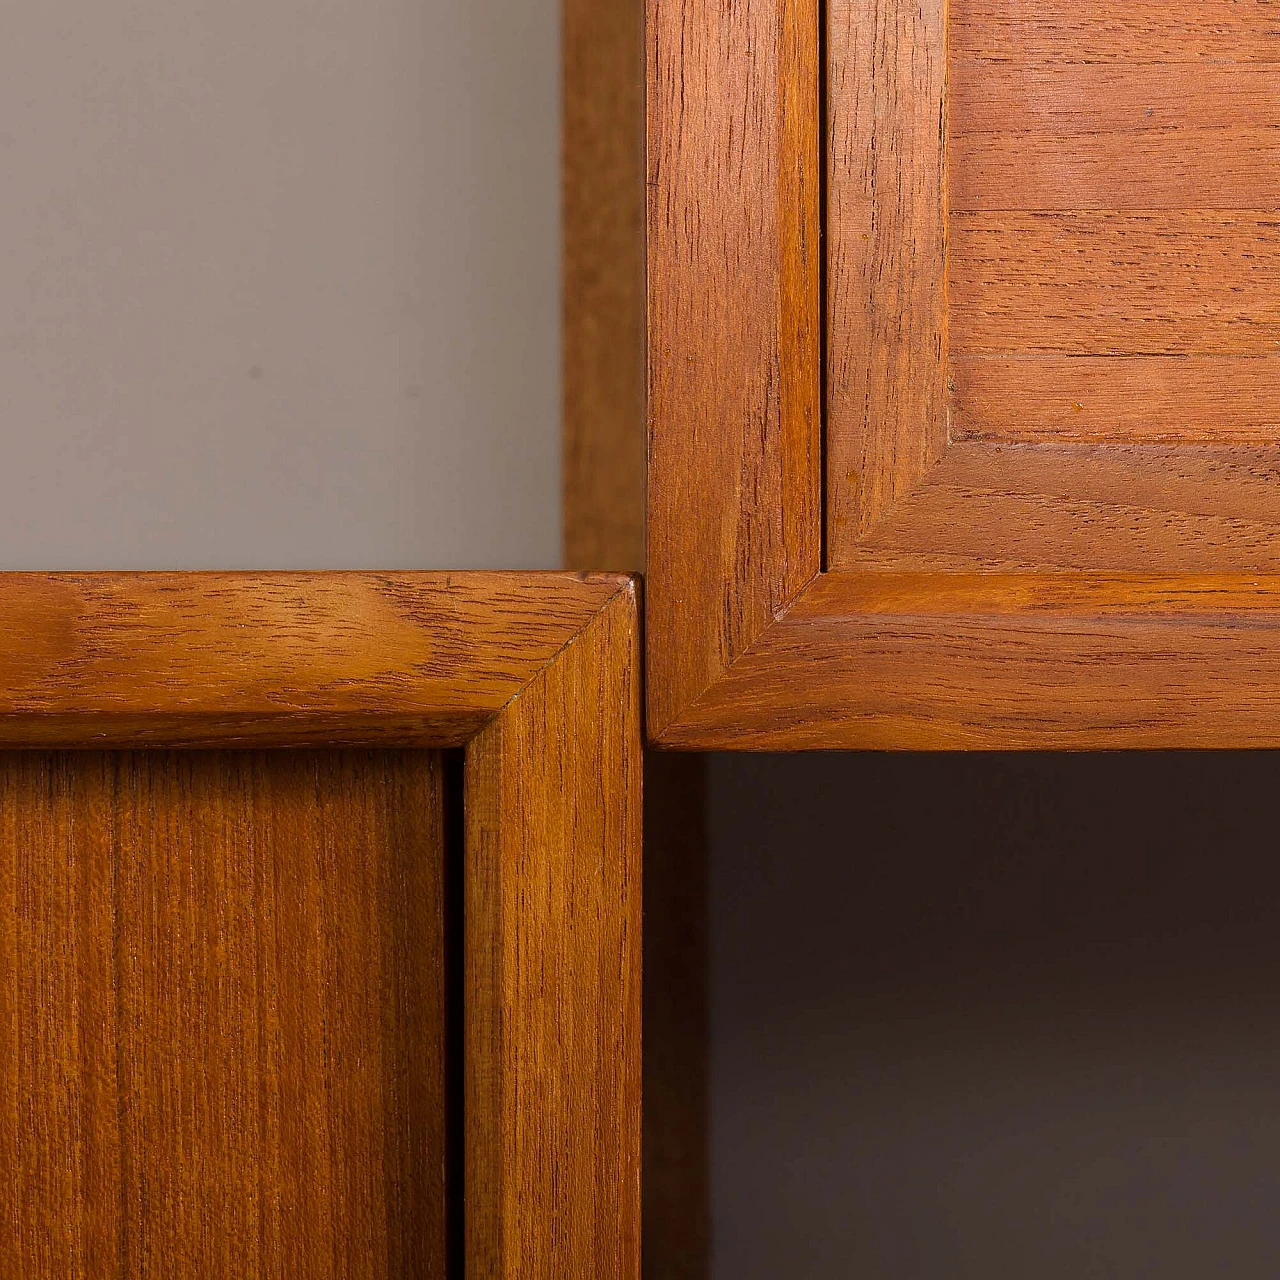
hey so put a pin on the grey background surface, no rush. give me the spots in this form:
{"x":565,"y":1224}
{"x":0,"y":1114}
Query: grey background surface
{"x":278,"y":289}
{"x":278,"y":284}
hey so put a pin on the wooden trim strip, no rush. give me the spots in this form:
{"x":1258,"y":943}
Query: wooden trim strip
{"x":540,"y":675}
{"x":922,"y":661}
{"x":886,"y":249}
{"x":280,"y":659}
{"x":553,"y":968}
{"x":734,"y":391}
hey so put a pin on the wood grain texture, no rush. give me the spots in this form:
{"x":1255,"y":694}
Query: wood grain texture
{"x":886,"y":258}
{"x":1185,"y":31}
{"x":602,"y":160}
{"x":1112,"y":137}
{"x":1115,"y":283}
{"x":733,"y":173}
{"x":1143,"y":399}
{"x":1088,"y":507}
{"x":221,"y":1015}
{"x":1122,"y":337}
{"x":553,"y":968}
{"x":283,"y":659}
{"x":1082,"y":661}
{"x":604,"y":521}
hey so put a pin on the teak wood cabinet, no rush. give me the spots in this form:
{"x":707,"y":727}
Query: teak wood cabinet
{"x":963,"y":373}
{"x":319,"y":926}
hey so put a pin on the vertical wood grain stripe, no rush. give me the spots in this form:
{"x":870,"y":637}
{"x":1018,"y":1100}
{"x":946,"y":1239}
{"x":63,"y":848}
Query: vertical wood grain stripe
{"x":886,"y":256}
{"x":553,"y":969}
{"x":221,"y":1040}
{"x":734,"y":326}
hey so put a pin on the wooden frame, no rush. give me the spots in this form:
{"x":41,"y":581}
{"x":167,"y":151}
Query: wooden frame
{"x":536,"y":676}
{"x":957,"y":592}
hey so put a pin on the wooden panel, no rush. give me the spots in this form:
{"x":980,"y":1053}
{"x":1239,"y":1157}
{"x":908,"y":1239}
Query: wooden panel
{"x":221,"y":1027}
{"x":734,"y":330}
{"x":1183,"y":31}
{"x":1030,"y":136}
{"x":553,"y":969}
{"x":603,"y":299}
{"x":286,"y":659}
{"x":1086,"y":507}
{"x":1143,"y":399}
{"x":1162,"y":182}
{"x":1115,"y":284}
{"x":989,"y":662}
{"x":886,"y":254}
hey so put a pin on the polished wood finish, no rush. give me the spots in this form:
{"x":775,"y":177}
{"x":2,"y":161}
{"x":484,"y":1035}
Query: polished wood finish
{"x":1090,"y":31}
{"x":1191,"y":399}
{"x":604,"y":525}
{"x":1116,"y":284}
{"x":1006,"y":662}
{"x":734,"y":332}
{"x":1096,"y":395}
{"x":285,"y":659}
{"x":602,"y":159}
{"x":553,"y":968}
{"x":261,"y":916}
{"x":1077,"y":507}
{"x":183,"y":1093}
{"x":886,"y":245}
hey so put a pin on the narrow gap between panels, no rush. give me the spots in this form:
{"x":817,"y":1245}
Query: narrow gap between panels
{"x":824,"y":157}
{"x":455,"y":1016}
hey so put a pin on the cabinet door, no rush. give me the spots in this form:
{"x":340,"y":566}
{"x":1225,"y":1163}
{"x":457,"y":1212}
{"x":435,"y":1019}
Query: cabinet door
{"x":964,"y":373}
{"x":363,"y":1004}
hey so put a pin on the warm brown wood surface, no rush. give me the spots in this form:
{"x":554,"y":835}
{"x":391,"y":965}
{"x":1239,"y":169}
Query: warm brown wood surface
{"x":221,"y":1015}
{"x":1115,"y":283}
{"x":1085,"y":399}
{"x":546,"y":667}
{"x":286,"y":659}
{"x":1180,"y":31}
{"x":1110,"y":216}
{"x":553,"y":968}
{"x":604,"y":523}
{"x":1080,"y":507}
{"x":917,"y":661}
{"x":734,"y":331}
{"x":1116,"y":136}
{"x":886,"y":259}
{"x":602,"y":44}
{"x":1116,"y":202}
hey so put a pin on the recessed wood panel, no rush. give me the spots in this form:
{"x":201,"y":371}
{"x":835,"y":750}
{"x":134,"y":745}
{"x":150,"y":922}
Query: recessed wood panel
{"x":221,"y":1015}
{"x":886,"y":410}
{"x":1147,"y":399}
{"x":1120,"y":136}
{"x":1115,"y":284}
{"x":1179,"y":31}
{"x":1115,"y":193}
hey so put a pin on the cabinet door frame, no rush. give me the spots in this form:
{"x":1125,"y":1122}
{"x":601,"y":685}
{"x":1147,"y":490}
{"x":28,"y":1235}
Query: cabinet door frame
{"x":537,"y":678}
{"x":753,"y":641}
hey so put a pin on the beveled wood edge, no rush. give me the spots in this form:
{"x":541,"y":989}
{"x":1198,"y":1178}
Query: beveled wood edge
{"x":1004,"y":661}
{"x":710,"y":650}
{"x":733,"y":171}
{"x":278,"y":659}
{"x":553,"y":965}
{"x":548,"y":675}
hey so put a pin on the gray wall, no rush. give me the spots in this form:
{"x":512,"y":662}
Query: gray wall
{"x":278,"y":284}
